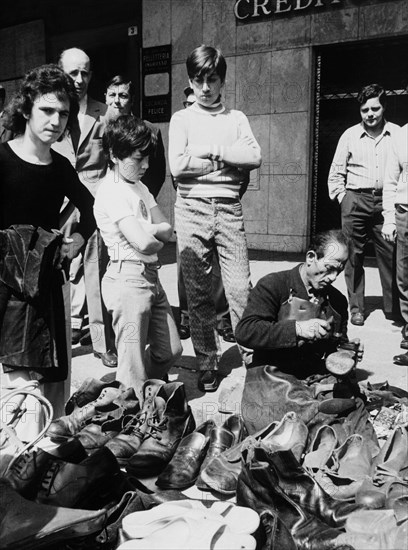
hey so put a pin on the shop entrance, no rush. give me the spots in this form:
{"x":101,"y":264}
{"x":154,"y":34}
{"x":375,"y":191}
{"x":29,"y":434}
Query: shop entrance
{"x":341,"y":72}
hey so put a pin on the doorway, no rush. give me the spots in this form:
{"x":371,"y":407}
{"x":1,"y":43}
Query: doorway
{"x":340,"y":73}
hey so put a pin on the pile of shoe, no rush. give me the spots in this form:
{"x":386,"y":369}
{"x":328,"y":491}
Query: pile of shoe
{"x":222,"y":470}
{"x":198,"y":449}
{"x":189,"y":524}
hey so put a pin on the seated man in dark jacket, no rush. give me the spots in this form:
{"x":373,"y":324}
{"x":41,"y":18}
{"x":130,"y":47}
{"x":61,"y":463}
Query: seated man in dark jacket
{"x":294,"y":319}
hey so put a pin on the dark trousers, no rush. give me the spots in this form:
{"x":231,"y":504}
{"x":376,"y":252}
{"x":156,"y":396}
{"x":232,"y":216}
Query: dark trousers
{"x":361,"y":216}
{"x":401,"y":219}
{"x":220,"y":300}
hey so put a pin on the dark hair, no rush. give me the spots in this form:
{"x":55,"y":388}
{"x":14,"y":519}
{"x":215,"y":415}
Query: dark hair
{"x":121,"y":79}
{"x":126,"y":134}
{"x":188,"y":91}
{"x":370,"y":91}
{"x":46,"y":79}
{"x":321,"y":241}
{"x":2,"y":93}
{"x":206,"y":60}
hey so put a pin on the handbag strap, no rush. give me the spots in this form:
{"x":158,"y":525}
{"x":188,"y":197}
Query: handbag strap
{"x":46,"y":407}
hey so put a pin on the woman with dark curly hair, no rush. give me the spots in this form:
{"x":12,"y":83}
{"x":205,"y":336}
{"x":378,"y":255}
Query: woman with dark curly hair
{"x":34,"y":180}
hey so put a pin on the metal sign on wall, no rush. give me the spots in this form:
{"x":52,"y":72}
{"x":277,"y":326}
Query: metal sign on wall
{"x":156,"y":74}
{"x":249,"y":11}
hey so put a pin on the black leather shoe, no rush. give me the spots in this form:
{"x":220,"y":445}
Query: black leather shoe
{"x":357,"y":319}
{"x":89,"y":484}
{"x":208,"y":381}
{"x":109,"y":359}
{"x":227,"y":334}
{"x":182,"y":470}
{"x":75,"y":336}
{"x":404,"y":341}
{"x":184,"y":332}
{"x":85,"y":339}
{"x":337,"y":405}
{"x":171,"y":421}
{"x":26,"y":472}
{"x":401,"y":359}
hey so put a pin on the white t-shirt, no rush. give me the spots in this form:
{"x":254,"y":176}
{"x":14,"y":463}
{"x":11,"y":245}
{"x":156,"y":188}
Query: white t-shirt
{"x":115,"y":200}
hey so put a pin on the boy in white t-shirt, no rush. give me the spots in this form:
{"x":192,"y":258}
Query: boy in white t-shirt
{"x":134,"y":230}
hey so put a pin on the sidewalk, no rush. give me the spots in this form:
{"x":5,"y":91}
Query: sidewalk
{"x":381,"y":340}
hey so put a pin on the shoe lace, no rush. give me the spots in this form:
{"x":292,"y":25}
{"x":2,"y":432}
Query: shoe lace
{"x":49,"y":476}
{"x":155,"y":426}
{"x":20,"y":463}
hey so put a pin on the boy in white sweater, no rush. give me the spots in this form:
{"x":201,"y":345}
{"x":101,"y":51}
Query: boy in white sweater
{"x":209,"y":146}
{"x":134,"y":230}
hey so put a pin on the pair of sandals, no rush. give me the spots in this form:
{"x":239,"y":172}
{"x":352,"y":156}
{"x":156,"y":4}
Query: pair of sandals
{"x":189,"y":524}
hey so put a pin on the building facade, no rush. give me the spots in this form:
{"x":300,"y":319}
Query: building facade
{"x":294,"y":68}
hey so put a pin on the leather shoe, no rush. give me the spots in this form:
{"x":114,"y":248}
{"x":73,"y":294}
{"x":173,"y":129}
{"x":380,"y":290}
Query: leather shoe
{"x":109,"y":398}
{"x":109,"y":359}
{"x":125,"y":444}
{"x":26,"y":472}
{"x":337,"y":405}
{"x":75,"y":336}
{"x":85,"y":339}
{"x":208,"y":381}
{"x":401,"y":359}
{"x":26,"y":525}
{"x":171,"y":421}
{"x":404,"y":341}
{"x":89,"y":484}
{"x":182,"y":470}
{"x":227,"y":334}
{"x":89,"y":390}
{"x":184,"y":332}
{"x":357,"y":319}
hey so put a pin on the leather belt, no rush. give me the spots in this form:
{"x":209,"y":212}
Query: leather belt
{"x":371,"y":191}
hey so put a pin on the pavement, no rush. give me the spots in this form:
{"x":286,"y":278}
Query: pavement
{"x":381,"y":338}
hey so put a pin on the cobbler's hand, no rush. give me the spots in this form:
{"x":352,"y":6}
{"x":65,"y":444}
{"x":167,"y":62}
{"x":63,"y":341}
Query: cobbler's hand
{"x":313,"y":329}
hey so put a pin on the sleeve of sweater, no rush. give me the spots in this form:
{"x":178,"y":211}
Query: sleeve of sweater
{"x":182,"y":164}
{"x":245,"y":153}
{"x":259,"y":327}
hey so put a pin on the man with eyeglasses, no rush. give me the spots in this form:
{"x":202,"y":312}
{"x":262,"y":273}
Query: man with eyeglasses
{"x":293,"y":321}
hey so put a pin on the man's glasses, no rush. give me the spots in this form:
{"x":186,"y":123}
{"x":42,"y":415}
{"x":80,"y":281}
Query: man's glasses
{"x":188,"y":104}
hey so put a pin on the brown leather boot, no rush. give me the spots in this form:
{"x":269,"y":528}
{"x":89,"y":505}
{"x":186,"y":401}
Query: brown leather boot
{"x":172,"y":420}
{"x":109,"y":398}
{"x":126,"y":443}
{"x":26,"y":525}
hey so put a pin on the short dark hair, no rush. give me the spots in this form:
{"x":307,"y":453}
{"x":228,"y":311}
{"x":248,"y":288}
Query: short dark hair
{"x":119,"y":79}
{"x":370,"y":91}
{"x":126,"y":134}
{"x":323,"y":239}
{"x":42,"y":80}
{"x":206,"y":60}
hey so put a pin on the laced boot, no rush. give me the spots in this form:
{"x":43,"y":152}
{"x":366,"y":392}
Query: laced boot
{"x":93,"y":483}
{"x":172,"y":420}
{"x":89,"y":390}
{"x":26,"y":472}
{"x":67,"y":426}
{"x":126,"y":443}
{"x":26,"y":525}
